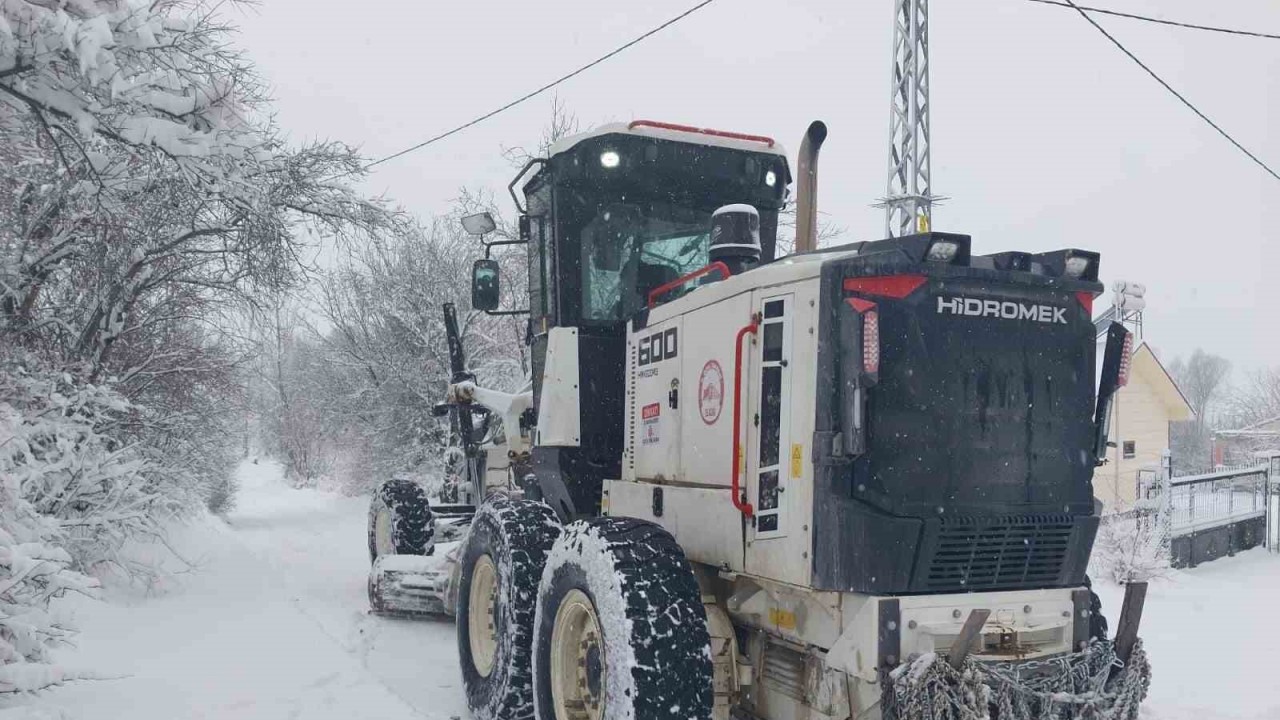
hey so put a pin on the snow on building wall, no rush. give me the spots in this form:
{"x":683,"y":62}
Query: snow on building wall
{"x":1140,"y":418}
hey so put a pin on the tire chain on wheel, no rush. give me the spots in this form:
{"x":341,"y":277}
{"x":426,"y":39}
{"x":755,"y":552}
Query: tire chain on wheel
{"x":639,"y":581}
{"x":516,"y":534}
{"x":413,"y":525}
{"x":1088,"y":685}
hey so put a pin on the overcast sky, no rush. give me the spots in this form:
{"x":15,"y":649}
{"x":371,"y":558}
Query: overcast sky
{"x":1045,"y":136}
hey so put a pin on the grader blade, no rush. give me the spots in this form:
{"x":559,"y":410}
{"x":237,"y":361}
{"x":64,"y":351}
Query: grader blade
{"x":413,"y":585}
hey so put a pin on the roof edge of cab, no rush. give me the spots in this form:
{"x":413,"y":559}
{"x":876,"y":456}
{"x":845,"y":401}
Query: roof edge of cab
{"x":665,"y":131}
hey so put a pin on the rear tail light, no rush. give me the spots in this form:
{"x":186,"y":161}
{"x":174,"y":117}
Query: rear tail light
{"x":1126,"y":361}
{"x":871,"y":342}
{"x":1086,"y":302}
{"x":890,"y":286}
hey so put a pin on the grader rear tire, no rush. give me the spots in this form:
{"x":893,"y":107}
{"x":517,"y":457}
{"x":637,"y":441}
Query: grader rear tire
{"x":621,"y":631}
{"x":501,"y":563}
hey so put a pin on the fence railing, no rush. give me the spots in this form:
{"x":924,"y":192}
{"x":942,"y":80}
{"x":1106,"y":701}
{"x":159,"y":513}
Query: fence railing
{"x":1197,"y":518}
{"x":1217,"y":498}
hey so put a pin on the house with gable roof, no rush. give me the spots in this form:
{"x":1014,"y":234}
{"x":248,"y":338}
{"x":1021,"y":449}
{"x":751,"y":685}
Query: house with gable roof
{"x":1140,"y":428}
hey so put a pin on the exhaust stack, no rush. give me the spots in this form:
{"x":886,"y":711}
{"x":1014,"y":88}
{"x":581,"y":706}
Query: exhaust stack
{"x":807,"y":187}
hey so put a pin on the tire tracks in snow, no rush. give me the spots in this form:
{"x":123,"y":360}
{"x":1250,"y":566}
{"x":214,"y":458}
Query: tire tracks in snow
{"x":312,"y":544}
{"x":277,"y":578}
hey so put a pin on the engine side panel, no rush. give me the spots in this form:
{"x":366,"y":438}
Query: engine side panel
{"x":679,"y":432}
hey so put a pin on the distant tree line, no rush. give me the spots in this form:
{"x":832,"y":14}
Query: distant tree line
{"x":1205,"y":380}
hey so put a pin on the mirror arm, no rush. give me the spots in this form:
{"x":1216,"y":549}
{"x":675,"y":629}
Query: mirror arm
{"x":506,"y":312}
{"x":488,"y":247}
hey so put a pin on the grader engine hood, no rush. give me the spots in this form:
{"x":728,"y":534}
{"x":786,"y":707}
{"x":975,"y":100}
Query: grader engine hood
{"x":956,"y":452}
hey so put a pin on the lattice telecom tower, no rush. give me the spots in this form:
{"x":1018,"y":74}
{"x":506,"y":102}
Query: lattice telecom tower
{"x":909,"y":199}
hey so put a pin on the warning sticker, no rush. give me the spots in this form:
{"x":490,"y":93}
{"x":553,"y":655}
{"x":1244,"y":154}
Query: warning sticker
{"x":797,"y":460}
{"x":649,"y":416}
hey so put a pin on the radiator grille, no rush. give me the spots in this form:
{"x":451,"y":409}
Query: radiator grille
{"x":999,"y":553}
{"x":784,"y":671}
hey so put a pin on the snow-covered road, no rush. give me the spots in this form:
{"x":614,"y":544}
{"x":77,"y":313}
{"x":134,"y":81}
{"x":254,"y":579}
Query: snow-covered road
{"x":272,"y":625}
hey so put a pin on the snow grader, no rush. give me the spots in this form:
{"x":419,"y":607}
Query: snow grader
{"x":847,"y":482}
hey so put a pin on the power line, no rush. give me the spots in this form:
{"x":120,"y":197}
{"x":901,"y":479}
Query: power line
{"x":544,"y":88}
{"x":1145,"y":18}
{"x":1175,"y":93}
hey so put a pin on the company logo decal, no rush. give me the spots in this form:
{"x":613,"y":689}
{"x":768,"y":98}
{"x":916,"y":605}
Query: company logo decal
{"x":1006,"y":310}
{"x":710,"y":392}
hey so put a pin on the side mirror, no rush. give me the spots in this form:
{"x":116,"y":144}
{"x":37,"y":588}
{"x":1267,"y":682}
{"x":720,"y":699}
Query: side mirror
{"x":484,"y":285}
{"x":480,"y":224}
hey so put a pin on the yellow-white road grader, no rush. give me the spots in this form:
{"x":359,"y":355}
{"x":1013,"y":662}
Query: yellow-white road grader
{"x":847,"y":482}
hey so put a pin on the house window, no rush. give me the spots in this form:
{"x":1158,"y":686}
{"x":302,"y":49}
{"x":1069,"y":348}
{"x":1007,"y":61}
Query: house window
{"x":1130,"y":450}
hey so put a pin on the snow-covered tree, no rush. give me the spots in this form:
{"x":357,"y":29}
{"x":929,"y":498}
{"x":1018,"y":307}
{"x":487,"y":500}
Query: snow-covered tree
{"x":146,"y":192}
{"x":146,"y":197}
{"x":371,"y":377}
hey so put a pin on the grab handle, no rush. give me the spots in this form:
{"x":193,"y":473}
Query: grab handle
{"x":739,"y":498}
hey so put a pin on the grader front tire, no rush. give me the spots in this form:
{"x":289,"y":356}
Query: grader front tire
{"x":501,"y":564}
{"x":620,"y":629}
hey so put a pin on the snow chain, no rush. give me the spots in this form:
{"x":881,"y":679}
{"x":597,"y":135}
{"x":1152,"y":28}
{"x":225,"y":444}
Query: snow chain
{"x":1080,"y":686}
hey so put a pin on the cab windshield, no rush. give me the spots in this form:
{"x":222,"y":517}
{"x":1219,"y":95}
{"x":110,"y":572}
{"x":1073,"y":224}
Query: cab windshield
{"x":630,"y":248}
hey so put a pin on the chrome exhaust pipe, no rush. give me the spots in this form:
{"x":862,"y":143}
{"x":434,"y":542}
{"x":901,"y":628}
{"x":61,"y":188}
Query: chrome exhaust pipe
{"x":807,"y":187}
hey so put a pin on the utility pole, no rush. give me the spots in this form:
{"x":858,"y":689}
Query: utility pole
{"x":909,"y":200}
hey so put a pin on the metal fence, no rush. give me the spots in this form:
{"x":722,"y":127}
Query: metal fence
{"x":1205,"y":516}
{"x":1222,"y":497}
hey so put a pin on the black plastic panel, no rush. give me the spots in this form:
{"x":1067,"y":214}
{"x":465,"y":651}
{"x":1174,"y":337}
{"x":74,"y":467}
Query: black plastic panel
{"x":977,"y":470}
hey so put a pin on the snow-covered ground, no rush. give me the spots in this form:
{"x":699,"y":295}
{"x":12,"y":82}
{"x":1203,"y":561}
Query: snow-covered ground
{"x":1211,"y":633}
{"x":273,"y":625}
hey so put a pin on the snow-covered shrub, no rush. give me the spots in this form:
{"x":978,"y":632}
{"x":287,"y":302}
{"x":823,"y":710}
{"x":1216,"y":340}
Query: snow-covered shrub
{"x":33,"y":571}
{"x":222,"y":495}
{"x":1133,"y":548}
{"x":66,"y":453}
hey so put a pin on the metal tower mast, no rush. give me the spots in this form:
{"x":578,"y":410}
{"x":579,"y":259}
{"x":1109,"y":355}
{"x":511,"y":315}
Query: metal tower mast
{"x":909,"y":201}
